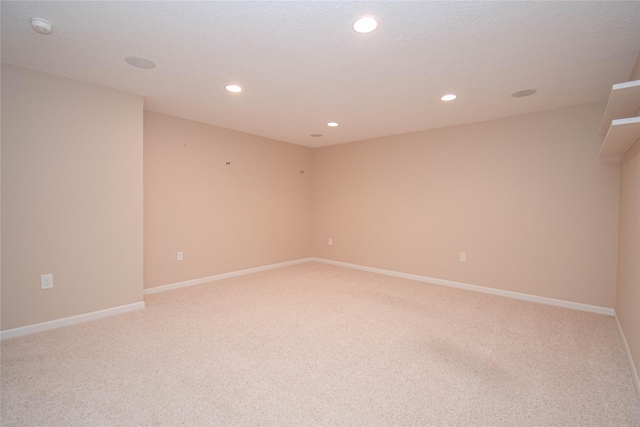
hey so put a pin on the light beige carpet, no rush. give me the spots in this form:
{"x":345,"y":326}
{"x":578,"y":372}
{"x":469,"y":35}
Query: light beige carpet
{"x":314,"y":344}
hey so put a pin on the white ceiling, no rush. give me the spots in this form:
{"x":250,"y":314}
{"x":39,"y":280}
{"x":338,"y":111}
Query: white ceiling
{"x":301,"y":65}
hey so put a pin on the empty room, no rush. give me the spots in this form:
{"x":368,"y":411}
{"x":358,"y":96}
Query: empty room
{"x":336,"y":213}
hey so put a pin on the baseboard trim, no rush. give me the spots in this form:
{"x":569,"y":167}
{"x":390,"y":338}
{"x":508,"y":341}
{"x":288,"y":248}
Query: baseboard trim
{"x":202,"y":280}
{"x":627,"y":352}
{"x":72,"y":320}
{"x":476,"y":288}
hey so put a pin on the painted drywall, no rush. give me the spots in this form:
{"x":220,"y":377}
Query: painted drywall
{"x":0,"y":199}
{"x":71,"y":197}
{"x":635,"y":73}
{"x":526,"y":198}
{"x":252,"y":212}
{"x":628,"y":284}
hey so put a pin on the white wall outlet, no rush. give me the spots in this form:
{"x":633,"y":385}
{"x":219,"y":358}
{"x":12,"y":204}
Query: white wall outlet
{"x":463,"y":257}
{"x":180,"y":256}
{"x":330,"y":241}
{"x":46,"y":281}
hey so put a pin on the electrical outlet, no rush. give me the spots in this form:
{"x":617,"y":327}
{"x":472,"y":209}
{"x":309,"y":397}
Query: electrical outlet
{"x":330,"y":241}
{"x":463,"y":257}
{"x":180,"y":256}
{"x":46,"y":281}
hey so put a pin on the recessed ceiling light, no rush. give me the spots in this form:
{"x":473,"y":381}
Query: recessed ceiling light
{"x":233,"y":88}
{"x":316,"y":135}
{"x":138,"y":62}
{"x":364,"y":25}
{"x":41,"y":26}
{"x":449,"y":97}
{"x":332,"y":124}
{"x":523,"y":93}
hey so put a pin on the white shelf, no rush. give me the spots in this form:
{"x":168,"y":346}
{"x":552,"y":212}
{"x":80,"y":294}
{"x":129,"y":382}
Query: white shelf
{"x":622,"y":134}
{"x":624,"y":101}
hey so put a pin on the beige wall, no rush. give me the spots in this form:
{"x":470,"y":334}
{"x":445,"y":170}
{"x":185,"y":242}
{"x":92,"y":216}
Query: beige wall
{"x":628,"y":286}
{"x":254,"y":212}
{"x":71,"y":197}
{"x":635,"y":73}
{"x":527,"y":199}
{"x":628,"y":279}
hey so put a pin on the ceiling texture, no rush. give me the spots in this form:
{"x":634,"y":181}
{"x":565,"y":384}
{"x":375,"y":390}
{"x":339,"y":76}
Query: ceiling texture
{"x":300,"y":65}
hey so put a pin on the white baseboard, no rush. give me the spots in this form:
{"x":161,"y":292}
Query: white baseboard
{"x":202,"y":280}
{"x":627,"y":352}
{"x":476,"y":288}
{"x":72,"y":320}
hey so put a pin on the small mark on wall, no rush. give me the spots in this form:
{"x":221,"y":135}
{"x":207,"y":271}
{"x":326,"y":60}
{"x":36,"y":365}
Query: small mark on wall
{"x":301,"y":171}
{"x":228,"y":163}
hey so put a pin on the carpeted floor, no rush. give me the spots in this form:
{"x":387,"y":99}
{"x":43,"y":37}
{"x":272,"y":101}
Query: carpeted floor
{"x":315,"y":344}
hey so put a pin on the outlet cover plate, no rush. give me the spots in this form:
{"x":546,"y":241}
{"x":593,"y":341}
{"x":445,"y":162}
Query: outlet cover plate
{"x":46,"y":281}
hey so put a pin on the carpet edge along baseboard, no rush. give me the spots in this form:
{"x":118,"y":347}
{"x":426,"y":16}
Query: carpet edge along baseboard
{"x":57,"y":323}
{"x":71,"y":320}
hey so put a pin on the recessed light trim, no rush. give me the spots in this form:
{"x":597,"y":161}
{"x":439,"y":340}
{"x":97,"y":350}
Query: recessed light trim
{"x":523,"y":93}
{"x":233,"y":88}
{"x":332,"y":124}
{"x":449,"y":97}
{"x":139,"y":62}
{"x":365,"y":24}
